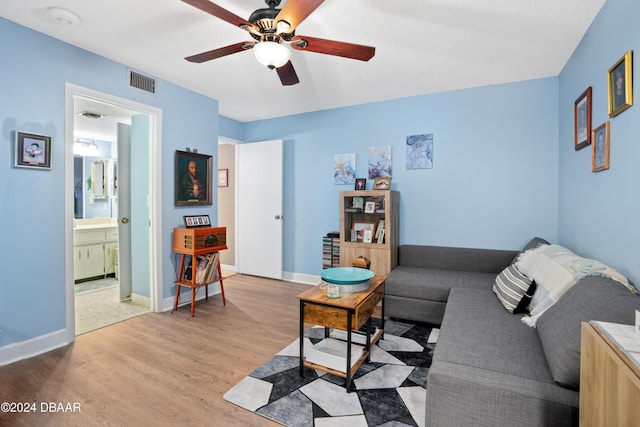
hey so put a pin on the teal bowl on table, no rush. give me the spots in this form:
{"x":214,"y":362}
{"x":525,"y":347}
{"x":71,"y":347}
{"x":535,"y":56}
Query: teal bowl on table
{"x":349,"y":279}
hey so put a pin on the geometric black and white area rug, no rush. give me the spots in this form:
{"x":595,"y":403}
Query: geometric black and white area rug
{"x":387,"y":391}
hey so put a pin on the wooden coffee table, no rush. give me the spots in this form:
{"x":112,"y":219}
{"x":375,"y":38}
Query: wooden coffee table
{"x":349,"y":312}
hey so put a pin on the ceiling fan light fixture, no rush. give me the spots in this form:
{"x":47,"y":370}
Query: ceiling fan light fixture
{"x":271,"y":54}
{"x":282,"y":27}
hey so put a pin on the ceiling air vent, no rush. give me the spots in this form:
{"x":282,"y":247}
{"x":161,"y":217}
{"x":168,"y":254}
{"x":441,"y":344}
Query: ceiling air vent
{"x":142,"y":82}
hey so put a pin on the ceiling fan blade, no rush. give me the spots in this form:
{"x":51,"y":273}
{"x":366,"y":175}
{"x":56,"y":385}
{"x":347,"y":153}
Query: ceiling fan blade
{"x":296,"y":11}
{"x":331,"y":47}
{"x":220,"y":52}
{"x":287,"y":74}
{"x":220,"y":12}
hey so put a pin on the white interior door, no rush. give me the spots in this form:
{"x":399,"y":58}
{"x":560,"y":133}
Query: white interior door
{"x":124,"y":210}
{"x":260,"y":209}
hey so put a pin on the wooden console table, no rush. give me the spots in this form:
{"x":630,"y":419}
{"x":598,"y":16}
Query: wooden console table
{"x":609,"y":375}
{"x":349,"y":312}
{"x":194,"y":242}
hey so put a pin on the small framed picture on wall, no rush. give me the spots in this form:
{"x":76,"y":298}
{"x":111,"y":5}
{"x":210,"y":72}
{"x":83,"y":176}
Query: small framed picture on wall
{"x":600,"y":150}
{"x":223,"y":177}
{"x":32,"y":151}
{"x":582,"y":120}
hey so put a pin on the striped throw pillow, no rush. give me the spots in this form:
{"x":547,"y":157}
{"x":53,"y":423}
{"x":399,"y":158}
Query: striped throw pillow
{"x":514,"y":289}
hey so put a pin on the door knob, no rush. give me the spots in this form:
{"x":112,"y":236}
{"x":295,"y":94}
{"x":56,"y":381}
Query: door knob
{"x":277,"y":217}
{"x":125,"y":220}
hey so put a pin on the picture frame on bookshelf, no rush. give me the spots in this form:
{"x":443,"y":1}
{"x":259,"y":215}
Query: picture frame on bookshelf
{"x":370,"y":207}
{"x":380,"y":238}
{"x":382,"y":183}
{"x":360,"y":227}
{"x":191,"y":221}
{"x":357,"y":202}
{"x":367,"y":236}
{"x":361,"y":184}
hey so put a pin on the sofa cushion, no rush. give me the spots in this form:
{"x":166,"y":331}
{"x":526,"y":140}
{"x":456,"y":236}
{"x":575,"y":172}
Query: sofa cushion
{"x":433,"y":284}
{"x":592,"y":298}
{"x":478,"y":332}
{"x":514,"y":289}
{"x":458,"y":259}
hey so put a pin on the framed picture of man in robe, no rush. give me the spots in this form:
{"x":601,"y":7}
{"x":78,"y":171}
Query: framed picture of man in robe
{"x":192,"y":179}
{"x":620,"y":85}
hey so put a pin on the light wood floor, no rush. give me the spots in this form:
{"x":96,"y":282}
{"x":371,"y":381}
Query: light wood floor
{"x":161,"y":368}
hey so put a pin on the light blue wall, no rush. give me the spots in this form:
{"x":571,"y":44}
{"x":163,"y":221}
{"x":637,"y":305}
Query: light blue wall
{"x":598,"y":212}
{"x":493,"y":184}
{"x":231,"y":128}
{"x":33,"y":74}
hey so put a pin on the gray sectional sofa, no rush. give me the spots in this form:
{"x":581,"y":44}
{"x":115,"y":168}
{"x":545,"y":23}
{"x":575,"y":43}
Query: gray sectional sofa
{"x":489,"y":368}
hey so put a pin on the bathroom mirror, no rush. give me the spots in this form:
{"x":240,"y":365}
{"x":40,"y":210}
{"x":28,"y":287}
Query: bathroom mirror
{"x":98,"y":179}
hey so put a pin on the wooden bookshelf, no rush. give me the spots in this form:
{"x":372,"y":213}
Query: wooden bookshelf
{"x":382,"y":252}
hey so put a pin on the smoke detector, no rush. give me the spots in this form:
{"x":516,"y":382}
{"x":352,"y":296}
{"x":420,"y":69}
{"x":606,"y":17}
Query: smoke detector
{"x":63,"y":16}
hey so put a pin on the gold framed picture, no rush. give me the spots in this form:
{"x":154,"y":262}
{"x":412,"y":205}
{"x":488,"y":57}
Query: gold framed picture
{"x":620,"y":85}
{"x":382,"y":183}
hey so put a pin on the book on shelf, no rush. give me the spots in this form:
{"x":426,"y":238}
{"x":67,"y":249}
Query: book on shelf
{"x":380,"y":227}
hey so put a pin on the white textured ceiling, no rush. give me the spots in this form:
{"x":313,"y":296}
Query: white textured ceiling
{"x":422,"y":46}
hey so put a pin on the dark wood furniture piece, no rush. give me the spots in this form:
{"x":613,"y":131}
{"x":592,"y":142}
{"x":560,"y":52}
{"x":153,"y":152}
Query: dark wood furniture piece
{"x":349,"y":312}
{"x":194,"y":242}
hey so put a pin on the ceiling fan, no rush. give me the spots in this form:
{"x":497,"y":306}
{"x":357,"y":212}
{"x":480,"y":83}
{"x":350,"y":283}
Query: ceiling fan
{"x":272,"y":30}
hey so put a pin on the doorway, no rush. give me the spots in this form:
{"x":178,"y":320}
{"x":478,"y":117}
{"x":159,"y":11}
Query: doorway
{"x":95,"y":301}
{"x":227,"y":202}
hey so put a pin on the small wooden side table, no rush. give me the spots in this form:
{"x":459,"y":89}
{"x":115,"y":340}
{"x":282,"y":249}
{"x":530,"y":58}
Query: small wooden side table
{"x":194,"y":242}
{"x":349,"y":312}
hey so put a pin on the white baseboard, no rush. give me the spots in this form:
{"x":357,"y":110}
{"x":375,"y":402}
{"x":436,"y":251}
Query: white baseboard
{"x":141,"y":300}
{"x":26,"y":349}
{"x":229,"y":267}
{"x":307,"y":279}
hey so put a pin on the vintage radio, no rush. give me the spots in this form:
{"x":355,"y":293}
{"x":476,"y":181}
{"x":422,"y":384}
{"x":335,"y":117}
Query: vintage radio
{"x":209,"y":239}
